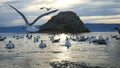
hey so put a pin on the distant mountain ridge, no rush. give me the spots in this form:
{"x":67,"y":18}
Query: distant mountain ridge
{"x":92,"y":27}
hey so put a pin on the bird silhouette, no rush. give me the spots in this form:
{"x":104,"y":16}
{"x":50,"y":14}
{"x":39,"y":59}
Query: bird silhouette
{"x":45,"y":8}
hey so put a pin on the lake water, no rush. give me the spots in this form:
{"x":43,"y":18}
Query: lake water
{"x":91,"y":27}
{"x":27,"y":54}
{"x":102,"y":27}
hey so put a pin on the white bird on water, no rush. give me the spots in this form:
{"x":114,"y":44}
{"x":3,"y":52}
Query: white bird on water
{"x":103,"y":41}
{"x":10,"y":45}
{"x":29,"y":26}
{"x":67,"y":43}
{"x":2,"y":38}
{"x":54,"y":40}
{"x":42,"y":44}
{"x":36,"y":39}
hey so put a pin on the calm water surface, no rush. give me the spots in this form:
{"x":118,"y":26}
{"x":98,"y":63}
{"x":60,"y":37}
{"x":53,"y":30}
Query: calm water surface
{"x":27,"y":54}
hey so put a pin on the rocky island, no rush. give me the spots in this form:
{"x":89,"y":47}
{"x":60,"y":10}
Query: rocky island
{"x":67,"y":22}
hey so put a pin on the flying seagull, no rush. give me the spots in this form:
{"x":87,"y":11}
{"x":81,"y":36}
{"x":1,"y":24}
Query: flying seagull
{"x":45,"y":8}
{"x":29,"y":26}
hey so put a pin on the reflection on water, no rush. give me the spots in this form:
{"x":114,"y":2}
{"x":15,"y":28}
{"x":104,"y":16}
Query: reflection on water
{"x":27,"y":54}
{"x":64,"y":55}
{"x":63,"y":37}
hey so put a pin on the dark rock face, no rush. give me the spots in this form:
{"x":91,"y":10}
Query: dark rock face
{"x":67,"y":22}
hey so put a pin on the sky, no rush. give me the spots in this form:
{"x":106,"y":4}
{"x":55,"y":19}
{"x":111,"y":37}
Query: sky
{"x":89,"y":11}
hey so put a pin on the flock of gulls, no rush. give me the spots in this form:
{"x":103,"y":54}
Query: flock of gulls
{"x":100,"y":40}
{"x":77,"y":38}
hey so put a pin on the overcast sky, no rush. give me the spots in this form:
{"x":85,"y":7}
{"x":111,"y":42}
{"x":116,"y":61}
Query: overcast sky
{"x":89,"y":11}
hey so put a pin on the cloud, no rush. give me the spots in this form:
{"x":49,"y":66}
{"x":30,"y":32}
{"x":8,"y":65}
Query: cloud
{"x":96,"y":10}
{"x":4,"y":1}
{"x":101,"y":19}
{"x":16,"y":22}
{"x":67,"y":3}
{"x":90,"y":11}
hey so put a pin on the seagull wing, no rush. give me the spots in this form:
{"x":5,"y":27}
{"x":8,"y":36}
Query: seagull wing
{"x":117,"y":30}
{"x":23,"y":16}
{"x":43,"y":16}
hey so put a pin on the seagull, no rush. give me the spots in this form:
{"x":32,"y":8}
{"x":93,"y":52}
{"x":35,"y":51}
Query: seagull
{"x":116,"y":28}
{"x":72,"y":38}
{"x":17,"y":37}
{"x":2,"y":38}
{"x":10,"y":45}
{"x":45,"y":8}
{"x":29,"y":26}
{"x":116,"y":37}
{"x":103,"y":41}
{"x":29,"y":36}
{"x":67,"y":43}
{"x":113,"y":36}
{"x":101,"y":38}
{"x":92,"y":39}
{"x":42,"y":44}
{"x":81,"y":38}
{"x":54,"y":40}
{"x":36,"y":39}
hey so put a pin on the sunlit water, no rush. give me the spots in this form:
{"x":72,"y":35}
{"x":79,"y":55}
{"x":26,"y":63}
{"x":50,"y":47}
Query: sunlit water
{"x":27,"y":54}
